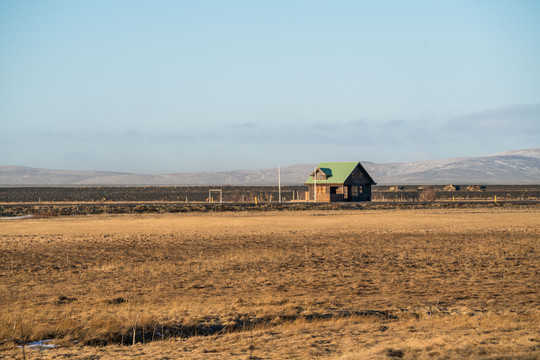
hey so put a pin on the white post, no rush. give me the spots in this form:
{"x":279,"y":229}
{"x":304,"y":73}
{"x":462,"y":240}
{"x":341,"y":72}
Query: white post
{"x":279,"y":181}
{"x":315,"y":184}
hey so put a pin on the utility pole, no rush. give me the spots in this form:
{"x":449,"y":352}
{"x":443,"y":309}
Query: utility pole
{"x":279,"y":181}
{"x":314,"y":184}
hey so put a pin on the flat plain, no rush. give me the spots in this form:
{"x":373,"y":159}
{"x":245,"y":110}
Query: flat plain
{"x":411,"y":284}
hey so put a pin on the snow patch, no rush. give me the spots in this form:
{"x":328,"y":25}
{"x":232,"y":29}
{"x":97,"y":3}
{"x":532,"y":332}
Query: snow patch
{"x":16,"y":217}
{"x":41,"y":345}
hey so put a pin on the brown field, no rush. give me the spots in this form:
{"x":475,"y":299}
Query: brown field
{"x":411,"y":284}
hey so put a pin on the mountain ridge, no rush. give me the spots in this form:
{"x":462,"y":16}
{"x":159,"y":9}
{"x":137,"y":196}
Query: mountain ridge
{"x":511,"y":167}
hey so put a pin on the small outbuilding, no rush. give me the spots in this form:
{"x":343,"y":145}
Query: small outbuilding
{"x":339,"y":181}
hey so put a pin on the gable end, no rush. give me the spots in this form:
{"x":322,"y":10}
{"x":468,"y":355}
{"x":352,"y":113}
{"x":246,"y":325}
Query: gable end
{"x":359,"y":175}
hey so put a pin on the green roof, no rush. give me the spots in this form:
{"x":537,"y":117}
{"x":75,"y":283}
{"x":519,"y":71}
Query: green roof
{"x":339,"y":171}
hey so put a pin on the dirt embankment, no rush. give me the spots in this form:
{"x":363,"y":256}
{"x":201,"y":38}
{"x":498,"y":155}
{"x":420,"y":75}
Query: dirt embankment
{"x":48,"y":210}
{"x":457,"y":192}
{"x":149,"y":193}
{"x":248,"y":194}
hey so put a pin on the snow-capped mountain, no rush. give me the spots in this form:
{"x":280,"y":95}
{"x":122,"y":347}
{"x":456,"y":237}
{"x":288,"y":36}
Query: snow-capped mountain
{"x":512,"y":167}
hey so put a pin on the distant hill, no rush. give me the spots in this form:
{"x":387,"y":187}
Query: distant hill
{"x":512,"y":167}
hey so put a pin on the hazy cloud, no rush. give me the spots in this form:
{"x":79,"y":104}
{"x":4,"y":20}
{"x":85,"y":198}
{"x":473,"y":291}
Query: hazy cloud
{"x":518,"y":119}
{"x":514,"y":124}
{"x":511,"y":123}
{"x":245,"y":145}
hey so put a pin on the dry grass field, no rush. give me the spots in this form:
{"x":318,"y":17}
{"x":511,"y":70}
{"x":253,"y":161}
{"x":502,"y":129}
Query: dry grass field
{"x":410,"y":284}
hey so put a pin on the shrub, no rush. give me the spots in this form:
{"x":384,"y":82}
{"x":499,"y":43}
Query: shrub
{"x":427,"y":195}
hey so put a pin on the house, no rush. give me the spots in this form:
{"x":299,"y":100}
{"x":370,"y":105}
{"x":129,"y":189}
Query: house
{"x":339,"y":181}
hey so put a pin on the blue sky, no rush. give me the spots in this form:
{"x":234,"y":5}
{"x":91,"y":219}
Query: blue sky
{"x":170,"y":86}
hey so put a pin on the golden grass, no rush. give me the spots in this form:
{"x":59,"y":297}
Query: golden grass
{"x":335,"y":284}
